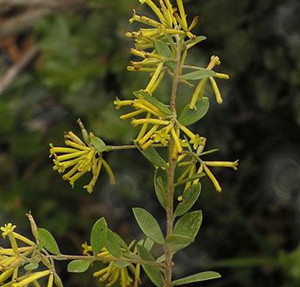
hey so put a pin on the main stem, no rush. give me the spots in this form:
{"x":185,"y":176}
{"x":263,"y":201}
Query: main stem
{"x":170,"y":171}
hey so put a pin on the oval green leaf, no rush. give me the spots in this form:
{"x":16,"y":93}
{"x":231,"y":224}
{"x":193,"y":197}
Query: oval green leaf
{"x":189,"y":198}
{"x":31,"y":266}
{"x":189,"y":224}
{"x":189,"y":116}
{"x":162,"y":48}
{"x":114,"y":244}
{"x":78,"y":266}
{"x":175,"y":239}
{"x":99,"y":235}
{"x":149,"y":225}
{"x":198,"y":75}
{"x":48,"y":241}
{"x":153,"y":272}
{"x":202,"y":276}
{"x":153,"y":156}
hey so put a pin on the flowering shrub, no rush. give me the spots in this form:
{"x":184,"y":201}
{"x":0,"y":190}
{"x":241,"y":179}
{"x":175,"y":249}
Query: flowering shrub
{"x":161,"y":50}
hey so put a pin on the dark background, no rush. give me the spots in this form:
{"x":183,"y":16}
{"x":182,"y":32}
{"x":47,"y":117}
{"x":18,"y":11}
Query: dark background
{"x":250,"y":232}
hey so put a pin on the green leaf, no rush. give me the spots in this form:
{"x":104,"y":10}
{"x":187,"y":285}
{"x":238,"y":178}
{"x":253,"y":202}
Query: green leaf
{"x":154,"y":101}
{"x":99,"y":235}
{"x":153,"y":156}
{"x":153,"y":272}
{"x":99,"y":144}
{"x":58,"y":281}
{"x":189,"y":224}
{"x":31,"y":266}
{"x":121,"y":263}
{"x":114,"y":244}
{"x":202,"y":276}
{"x":162,"y":48}
{"x":78,"y":266}
{"x":189,"y":198}
{"x":175,"y":239}
{"x":197,"y":40}
{"x":149,"y":225}
{"x":160,"y":184}
{"x":198,"y":75}
{"x":47,"y":240}
{"x":190,"y":116}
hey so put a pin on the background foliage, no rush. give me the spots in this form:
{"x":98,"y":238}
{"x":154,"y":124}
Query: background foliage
{"x":251,"y":230}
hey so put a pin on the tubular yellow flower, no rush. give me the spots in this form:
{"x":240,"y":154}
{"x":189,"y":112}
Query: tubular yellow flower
{"x":147,"y":144}
{"x":155,"y":9}
{"x":32,"y":277}
{"x":5,"y":275}
{"x":111,"y":274}
{"x":197,"y":141}
{"x":176,"y":140}
{"x":148,"y":134}
{"x":81,"y":158}
{"x":233,"y":165}
{"x":155,"y":77}
{"x":7,"y":229}
{"x":131,"y":115}
{"x":182,"y":14}
{"x":212,"y":178}
{"x":216,"y":90}
{"x":144,"y":20}
{"x":149,"y":121}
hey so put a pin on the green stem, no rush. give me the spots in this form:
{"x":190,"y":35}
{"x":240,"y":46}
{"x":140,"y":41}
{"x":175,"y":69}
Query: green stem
{"x":104,"y":259}
{"x":170,"y":171}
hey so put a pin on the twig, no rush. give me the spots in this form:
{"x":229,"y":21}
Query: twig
{"x":21,"y":23}
{"x":15,"y":70}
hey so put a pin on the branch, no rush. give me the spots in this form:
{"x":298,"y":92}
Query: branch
{"x":15,"y":70}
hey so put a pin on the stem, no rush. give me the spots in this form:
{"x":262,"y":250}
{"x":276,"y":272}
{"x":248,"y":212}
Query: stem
{"x":104,"y":259}
{"x":170,"y":170}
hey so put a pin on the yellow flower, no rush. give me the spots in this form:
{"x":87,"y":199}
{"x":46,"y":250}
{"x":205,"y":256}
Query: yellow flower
{"x":197,"y":141}
{"x":111,"y":274}
{"x":7,"y":229}
{"x":79,"y":158}
{"x":162,"y":136}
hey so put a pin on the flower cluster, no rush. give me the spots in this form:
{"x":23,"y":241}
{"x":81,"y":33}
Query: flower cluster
{"x":194,"y":167}
{"x":17,"y":256}
{"x":79,"y":158}
{"x":112,"y":273}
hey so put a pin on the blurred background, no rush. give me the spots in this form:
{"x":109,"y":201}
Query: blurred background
{"x":61,"y":60}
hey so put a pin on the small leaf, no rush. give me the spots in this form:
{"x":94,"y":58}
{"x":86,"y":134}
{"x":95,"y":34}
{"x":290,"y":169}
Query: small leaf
{"x":78,"y":266}
{"x":189,"y":198}
{"x":162,"y":48}
{"x":31,"y":266}
{"x":153,"y":272}
{"x":189,"y":224}
{"x":197,"y":40}
{"x":148,"y":243}
{"x":47,"y":241}
{"x":189,"y":116}
{"x":149,"y":225}
{"x":192,"y":178}
{"x":121,"y":263}
{"x":198,"y":75}
{"x":160,"y":184}
{"x":154,"y":101}
{"x":99,"y":144}
{"x":153,"y":156}
{"x":115,"y":243}
{"x":58,"y":281}
{"x":202,"y":276}
{"x":99,"y":235}
{"x":175,"y":239}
